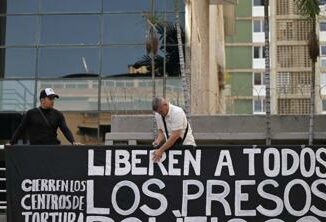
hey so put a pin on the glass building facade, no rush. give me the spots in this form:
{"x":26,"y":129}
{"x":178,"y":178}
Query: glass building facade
{"x":85,"y":50}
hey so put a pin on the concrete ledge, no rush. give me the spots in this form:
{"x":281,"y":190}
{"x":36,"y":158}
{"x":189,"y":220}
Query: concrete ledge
{"x":130,"y":138}
{"x":223,"y":129}
{"x":298,"y":135}
{"x":125,"y":136}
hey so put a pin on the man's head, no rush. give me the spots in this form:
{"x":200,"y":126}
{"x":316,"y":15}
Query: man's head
{"x":160,"y":105}
{"x":47,"y":97}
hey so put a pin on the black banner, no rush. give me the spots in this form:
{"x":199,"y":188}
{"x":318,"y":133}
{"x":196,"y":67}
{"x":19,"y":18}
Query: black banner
{"x":203,"y":184}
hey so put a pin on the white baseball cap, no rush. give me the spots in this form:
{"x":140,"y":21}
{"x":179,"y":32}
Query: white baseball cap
{"x":48,"y":92}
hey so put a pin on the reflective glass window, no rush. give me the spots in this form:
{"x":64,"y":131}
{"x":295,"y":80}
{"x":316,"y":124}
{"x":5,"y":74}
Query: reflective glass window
{"x":124,"y":28}
{"x":20,"y":30}
{"x":70,"y":29}
{"x":20,"y":62}
{"x":259,"y":52}
{"x":59,"y":62}
{"x":259,"y":105}
{"x":72,"y":97}
{"x":323,"y":79}
{"x":70,"y":5}
{"x":120,"y":94}
{"x":170,"y":5}
{"x":322,"y":2}
{"x":323,"y":84}
{"x":115,"y":96}
{"x":118,"y":27}
{"x":171,"y":18}
{"x":141,"y":5}
{"x":323,"y":63}
{"x":16,"y":95}
{"x":126,"y":5}
{"x":132,"y":28}
{"x":322,"y":26}
{"x":256,"y":52}
{"x":257,"y":78}
{"x":172,"y":61}
{"x":258,"y":2}
{"x":323,"y":50}
{"x":20,"y":6}
{"x":113,"y":64}
{"x":258,"y":26}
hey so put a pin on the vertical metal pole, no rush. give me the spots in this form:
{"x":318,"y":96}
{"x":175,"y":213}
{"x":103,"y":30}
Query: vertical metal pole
{"x":100,"y":77}
{"x":38,"y":37}
{"x":152,"y":55}
{"x":182,"y":61}
{"x":267,"y":75}
{"x":164,"y":58}
{"x":312,"y":87}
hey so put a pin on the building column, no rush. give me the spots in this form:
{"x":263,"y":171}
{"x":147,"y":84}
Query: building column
{"x":207,"y":54}
{"x":199,"y":32}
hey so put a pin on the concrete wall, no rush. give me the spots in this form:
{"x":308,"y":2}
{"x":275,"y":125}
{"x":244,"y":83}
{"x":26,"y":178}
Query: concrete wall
{"x":205,"y":27}
{"x":228,"y":129}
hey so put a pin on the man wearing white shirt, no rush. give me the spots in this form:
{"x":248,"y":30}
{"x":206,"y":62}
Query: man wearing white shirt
{"x":173,"y":127}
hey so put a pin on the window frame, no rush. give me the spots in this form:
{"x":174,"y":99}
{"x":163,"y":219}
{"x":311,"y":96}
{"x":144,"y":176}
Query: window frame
{"x":323,"y":106}
{"x":261,"y":25}
{"x":261,"y":101}
{"x":261,"y":76}
{"x":322,"y":24}
{"x":261,"y":52}
{"x":322,"y":49}
{"x":261,"y":3}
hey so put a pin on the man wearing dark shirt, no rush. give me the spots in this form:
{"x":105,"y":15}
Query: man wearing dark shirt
{"x":41,"y":123}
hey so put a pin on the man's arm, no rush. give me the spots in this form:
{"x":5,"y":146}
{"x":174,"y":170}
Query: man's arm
{"x":65,"y":130}
{"x":159,"y":138}
{"x":167,"y":145}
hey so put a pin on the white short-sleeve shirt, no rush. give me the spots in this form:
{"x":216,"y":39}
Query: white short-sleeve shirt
{"x":176,"y":120}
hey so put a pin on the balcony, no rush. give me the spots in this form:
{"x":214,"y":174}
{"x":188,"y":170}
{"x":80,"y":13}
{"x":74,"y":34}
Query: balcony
{"x":258,"y":63}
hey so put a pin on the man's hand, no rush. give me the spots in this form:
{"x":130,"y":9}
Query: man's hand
{"x":155,"y":145}
{"x":77,"y":144}
{"x":157,"y":155}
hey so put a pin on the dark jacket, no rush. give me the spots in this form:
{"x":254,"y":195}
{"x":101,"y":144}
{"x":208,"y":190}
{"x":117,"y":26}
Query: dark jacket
{"x":39,"y":131}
